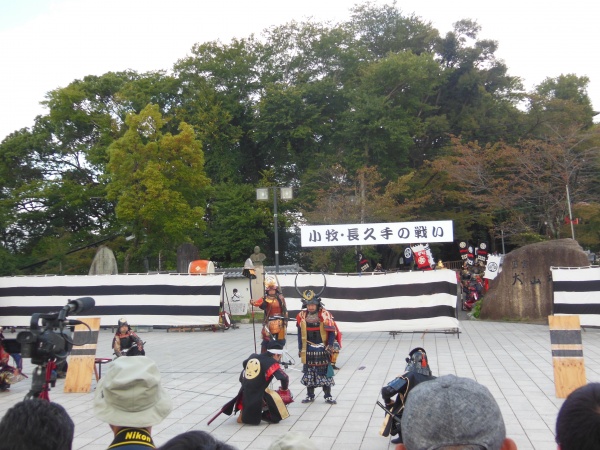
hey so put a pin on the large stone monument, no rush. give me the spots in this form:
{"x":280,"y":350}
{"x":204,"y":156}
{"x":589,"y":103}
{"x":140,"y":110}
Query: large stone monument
{"x":104,"y":262}
{"x":257,"y":258}
{"x":523,"y":290}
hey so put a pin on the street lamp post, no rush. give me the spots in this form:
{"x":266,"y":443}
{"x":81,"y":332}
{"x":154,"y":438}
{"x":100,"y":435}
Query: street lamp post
{"x":262,"y":194}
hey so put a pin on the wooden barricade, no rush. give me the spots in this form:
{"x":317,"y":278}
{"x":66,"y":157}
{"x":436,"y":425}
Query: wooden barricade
{"x":567,"y":354}
{"x":81,"y":361}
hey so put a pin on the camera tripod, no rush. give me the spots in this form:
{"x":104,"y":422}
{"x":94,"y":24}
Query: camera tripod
{"x":41,"y":379}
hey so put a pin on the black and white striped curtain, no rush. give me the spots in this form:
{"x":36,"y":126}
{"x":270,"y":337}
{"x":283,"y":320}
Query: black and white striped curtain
{"x":577,"y":292}
{"x":399,"y":301}
{"x":144,"y":299}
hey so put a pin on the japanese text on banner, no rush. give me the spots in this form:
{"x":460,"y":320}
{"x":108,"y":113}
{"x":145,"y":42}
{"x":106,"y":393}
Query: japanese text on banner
{"x":377,"y":233}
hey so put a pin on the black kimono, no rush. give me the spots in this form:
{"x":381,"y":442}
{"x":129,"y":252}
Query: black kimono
{"x":255,"y":400}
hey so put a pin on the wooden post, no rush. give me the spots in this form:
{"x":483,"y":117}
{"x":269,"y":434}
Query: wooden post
{"x":81,"y":362}
{"x":567,"y":354}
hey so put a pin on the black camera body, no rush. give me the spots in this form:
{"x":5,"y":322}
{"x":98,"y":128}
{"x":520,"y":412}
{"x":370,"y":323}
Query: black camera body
{"x":46,"y":339}
{"x":47,"y":344}
{"x":44,"y":345}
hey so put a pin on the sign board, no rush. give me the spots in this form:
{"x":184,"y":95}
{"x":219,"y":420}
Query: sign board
{"x":567,"y":354}
{"x":83,"y":354}
{"x":377,"y":233}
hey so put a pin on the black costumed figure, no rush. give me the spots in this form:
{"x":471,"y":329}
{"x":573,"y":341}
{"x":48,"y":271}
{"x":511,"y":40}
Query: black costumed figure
{"x":316,"y":345}
{"x":417,"y":371}
{"x":276,"y":314}
{"x":255,"y":400}
{"x":126,"y":342}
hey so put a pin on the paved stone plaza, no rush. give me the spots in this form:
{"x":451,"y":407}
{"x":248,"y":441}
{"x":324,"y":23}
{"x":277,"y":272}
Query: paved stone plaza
{"x":201,"y":369}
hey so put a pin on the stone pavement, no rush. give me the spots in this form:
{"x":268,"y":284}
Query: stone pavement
{"x":201,"y":370}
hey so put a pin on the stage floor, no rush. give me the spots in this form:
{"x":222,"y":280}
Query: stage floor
{"x":201,"y":369}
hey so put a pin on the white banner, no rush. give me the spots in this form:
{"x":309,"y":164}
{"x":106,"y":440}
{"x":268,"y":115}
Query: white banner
{"x":377,"y":233}
{"x":492,"y":269}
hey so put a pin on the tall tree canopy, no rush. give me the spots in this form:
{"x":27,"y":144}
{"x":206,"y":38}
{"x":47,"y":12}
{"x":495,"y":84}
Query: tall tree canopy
{"x":376,"y":118}
{"x":158,"y":182}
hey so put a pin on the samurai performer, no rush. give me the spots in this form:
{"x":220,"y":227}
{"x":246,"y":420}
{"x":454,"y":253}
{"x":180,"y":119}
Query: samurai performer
{"x":126,"y":342}
{"x":276,"y":314}
{"x":316,"y":338}
{"x":417,"y":371}
{"x":255,"y":400}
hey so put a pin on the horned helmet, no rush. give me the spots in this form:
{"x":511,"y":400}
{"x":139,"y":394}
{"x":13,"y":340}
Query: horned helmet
{"x":310,"y":297}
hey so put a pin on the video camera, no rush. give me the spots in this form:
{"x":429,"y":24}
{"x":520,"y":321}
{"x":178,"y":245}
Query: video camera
{"x":48,"y":341}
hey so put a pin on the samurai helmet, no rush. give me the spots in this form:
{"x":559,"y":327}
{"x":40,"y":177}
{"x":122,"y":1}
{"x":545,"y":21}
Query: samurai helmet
{"x":310,"y":297}
{"x":417,"y":362}
{"x":270,"y":282}
{"x":123,"y":322}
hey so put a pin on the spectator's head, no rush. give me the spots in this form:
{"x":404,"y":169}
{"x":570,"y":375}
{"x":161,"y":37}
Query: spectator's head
{"x":195,"y":440}
{"x":36,"y":425}
{"x":578,"y":421}
{"x":292,"y":440}
{"x":130,"y":394}
{"x":452,"y":413}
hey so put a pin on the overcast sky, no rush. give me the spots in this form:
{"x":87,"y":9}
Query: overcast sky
{"x":46,"y":44}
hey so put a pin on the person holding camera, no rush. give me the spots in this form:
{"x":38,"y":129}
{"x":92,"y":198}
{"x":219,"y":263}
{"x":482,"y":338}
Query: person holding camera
{"x":417,"y":371}
{"x":126,"y":342}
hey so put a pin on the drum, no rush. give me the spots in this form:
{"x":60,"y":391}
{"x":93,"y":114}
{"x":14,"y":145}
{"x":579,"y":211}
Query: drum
{"x":201,"y":266}
{"x":275,"y":324}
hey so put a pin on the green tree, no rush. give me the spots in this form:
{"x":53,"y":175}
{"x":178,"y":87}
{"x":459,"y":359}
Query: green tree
{"x":386,"y":111}
{"x":236,"y":223}
{"x":230,"y":71}
{"x":158,"y":183}
{"x":478,"y":98}
{"x":559,"y":104}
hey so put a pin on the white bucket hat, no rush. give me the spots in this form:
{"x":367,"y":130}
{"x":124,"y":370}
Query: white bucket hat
{"x":130,"y":394}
